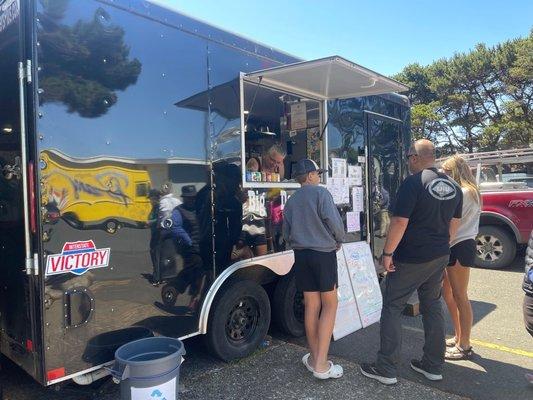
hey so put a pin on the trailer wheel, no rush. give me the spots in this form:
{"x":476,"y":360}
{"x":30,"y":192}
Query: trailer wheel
{"x":288,"y":307}
{"x":238,"y":320}
{"x":495,"y":247}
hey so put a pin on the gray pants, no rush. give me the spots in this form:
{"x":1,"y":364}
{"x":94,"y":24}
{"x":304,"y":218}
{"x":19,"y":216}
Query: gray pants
{"x":399,"y":286}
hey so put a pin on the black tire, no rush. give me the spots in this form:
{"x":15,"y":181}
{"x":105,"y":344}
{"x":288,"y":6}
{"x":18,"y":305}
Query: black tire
{"x":169,"y":295}
{"x":288,"y":307}
{"x":495,"y":247}
{"x":239,"y":320}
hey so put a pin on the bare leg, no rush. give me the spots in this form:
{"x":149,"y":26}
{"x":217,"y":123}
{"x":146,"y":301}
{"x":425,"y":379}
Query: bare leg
{"x":452,"y":306}
{"x":312,"y":313}
{"x":459,"y":277}
{"x":325,"y":328}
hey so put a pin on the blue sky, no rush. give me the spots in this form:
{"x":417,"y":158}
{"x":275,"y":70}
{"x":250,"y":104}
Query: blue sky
{"x":381,"y":35}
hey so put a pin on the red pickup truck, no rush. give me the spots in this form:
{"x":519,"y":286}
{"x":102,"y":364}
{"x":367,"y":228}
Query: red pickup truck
{"x":506,"y":221}
{"x":505,"y":178}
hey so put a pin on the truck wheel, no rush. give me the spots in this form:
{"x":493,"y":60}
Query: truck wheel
{"x":169,"y":295}
{"x":288,"y":307}
{"x":238,"y":320}
{"x":496,"y":248}
{"x":111,"y":226}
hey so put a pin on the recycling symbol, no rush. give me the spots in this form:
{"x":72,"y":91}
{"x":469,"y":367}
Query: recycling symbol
{"x":157,"y":394}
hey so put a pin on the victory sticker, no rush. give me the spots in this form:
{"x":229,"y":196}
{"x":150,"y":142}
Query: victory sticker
{"x":77,"y":258}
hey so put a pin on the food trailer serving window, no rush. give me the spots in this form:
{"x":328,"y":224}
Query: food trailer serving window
{"x":283,"y":111}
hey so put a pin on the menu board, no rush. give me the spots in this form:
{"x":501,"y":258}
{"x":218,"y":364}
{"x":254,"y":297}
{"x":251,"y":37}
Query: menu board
{"x":364,"y":281}
{"x":347,"y":319}
{"x":356,"y":272}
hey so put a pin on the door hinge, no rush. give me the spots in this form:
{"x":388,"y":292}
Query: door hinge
{"x":28,"y":71}
{"x":25,"y":71}
{"x":35,"y":264}
{"x":29,"y":266}
{"x":32,"y":265}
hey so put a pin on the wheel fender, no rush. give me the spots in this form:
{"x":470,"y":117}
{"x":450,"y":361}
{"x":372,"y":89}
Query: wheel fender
{"x":279,"y":263}
{"x":489,"y":216}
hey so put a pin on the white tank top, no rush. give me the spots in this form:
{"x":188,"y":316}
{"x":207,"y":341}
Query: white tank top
{"x":469,"y":226}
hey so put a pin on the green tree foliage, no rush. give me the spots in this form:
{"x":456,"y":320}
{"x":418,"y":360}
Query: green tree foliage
{"x":85,"y":63}
{"x":475,"y":101}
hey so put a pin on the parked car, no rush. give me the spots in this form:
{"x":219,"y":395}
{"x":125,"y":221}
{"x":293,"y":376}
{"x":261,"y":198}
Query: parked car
{"x":506,"y":220}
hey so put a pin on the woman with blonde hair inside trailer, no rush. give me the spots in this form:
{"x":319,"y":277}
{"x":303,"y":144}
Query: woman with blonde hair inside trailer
{"x":462,"y":256}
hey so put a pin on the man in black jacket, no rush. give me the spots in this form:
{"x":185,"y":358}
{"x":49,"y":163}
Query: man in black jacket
{"x":426,"y":215}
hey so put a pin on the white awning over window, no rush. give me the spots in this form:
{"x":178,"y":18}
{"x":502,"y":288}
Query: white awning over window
{"x":327,"y":79}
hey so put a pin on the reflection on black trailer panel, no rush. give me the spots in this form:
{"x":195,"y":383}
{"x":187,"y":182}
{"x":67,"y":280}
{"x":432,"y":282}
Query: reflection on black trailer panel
{"x":108,"y":106}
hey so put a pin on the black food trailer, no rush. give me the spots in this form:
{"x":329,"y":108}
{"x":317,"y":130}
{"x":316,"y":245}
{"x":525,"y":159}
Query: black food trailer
{"x":115,"y":112}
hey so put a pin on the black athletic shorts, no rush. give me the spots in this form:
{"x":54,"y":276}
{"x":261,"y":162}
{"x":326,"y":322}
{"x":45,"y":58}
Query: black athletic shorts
{"x":464,"y":252}
{"x":315,"y":271}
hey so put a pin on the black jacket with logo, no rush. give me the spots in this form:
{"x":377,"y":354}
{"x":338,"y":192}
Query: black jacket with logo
{"x":429,"y":199}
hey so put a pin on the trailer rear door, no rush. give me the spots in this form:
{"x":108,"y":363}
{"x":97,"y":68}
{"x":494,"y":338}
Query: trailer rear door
{"x":17,"y":292}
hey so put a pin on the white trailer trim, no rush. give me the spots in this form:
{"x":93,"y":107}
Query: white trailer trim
{"x":279,"y":263}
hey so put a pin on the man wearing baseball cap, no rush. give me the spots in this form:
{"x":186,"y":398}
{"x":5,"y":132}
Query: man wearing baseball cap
{"x":314,"y":229}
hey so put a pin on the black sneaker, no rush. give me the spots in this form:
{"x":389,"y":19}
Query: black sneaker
{"x":417,"y":366}
{"x":370,"y":371}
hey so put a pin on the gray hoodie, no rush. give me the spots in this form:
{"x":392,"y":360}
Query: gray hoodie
{"x":311,"y":220}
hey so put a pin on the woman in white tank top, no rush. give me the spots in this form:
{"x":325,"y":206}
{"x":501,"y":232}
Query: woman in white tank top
{"x":463,"y":253}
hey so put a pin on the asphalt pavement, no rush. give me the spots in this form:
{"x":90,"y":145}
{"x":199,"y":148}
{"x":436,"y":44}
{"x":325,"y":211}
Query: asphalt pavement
{"x":503,"y":348}
{"x":273,"y":372}
{"x":504,"y":353}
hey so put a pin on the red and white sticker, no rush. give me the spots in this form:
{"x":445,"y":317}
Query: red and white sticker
{"x":77,"y":258}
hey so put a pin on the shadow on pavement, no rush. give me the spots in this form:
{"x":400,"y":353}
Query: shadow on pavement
{"x":481,"y":378}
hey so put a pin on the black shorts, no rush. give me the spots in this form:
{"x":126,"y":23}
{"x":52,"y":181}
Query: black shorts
{"x":258,"y":239}
{"x":315,"y":271}
{"x":464,"y":252}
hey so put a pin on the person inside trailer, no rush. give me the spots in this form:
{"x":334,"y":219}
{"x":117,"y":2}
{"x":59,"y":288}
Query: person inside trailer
{"x":271,"y":162}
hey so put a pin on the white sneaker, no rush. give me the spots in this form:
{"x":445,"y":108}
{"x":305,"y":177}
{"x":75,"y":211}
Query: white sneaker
{"x":417,"y":366}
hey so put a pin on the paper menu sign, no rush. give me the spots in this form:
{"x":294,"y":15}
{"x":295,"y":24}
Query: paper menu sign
{"x":358,"y":203}
{"x":339,"y":190}
{"x":298,"y":116}
{"x":338,"y":168}
{"x":356,"y":172}
{"x":352,"y":222}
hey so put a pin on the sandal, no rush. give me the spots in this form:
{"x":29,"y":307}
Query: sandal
{"x":451,"y":342}
{"x":457,"y":353}
{"x":305,"y":361}
{"x":334,"y":371}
